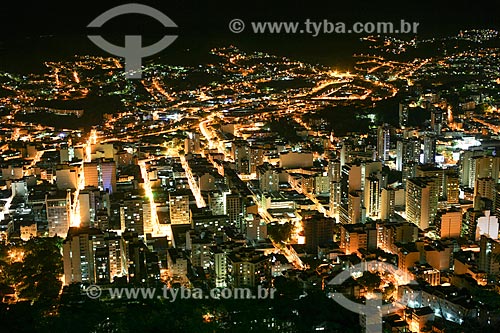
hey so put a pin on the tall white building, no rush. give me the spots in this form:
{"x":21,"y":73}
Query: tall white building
{"x":383,"y":142}
{"x":372,"y":197}
{"x":487,"y":225}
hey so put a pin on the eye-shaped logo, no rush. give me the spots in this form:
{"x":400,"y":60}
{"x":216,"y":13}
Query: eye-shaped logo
{"x":373,"y":309}
{"x":133,"y":51}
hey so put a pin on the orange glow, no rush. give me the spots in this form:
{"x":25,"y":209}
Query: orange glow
{"x":16,"y":255}
{"x":75,"y":77}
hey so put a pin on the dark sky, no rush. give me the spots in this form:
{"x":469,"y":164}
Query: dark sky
{"x":204,"y":23}
{"x":211,"y":17}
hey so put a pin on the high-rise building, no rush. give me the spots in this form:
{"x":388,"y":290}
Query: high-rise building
{"x":117,"y":256}
{"x":407,"y":151}
{"x":66,"y":177}
{"x":321,"y":184}
{"x":220,"y":266}
{"x":452,"y":187}
{"x":371,"y":168}
{"x":101,"y":258}
{"x":438,"y":255}
{"x":344,"y":153}
{"x":488,"y":255}
{"x":476,"y":164}
{"x":335,"y":199}
{"x":217,"y":202}
{"x":404,"y":110}
{"x":467,"y":167}
{"x":136,"y":256}
{"x":487,"y":225}
{"x":241,"y":155}
{"x":19,"y":188}
{"x":334,"y":170}
{"x":107,"y":180}
{"x":431,"y":171}
{"x":429,"y":149}
{"x":450,"y":223}
{"x":220,"y":263}
{"x":485,"y":167}
{"x":318,"y":229}
{"x":213,"y":223}
{"x":247,"y":268}
{"x":87,"y":212}
{"x":206,"y":181}
{"x":79,"y":251}
{"x":484,"y":189}
{"x":387,"y":203}
{"x":383,"y":142}
{"x":354,"y":208}
{"x":58,"y":208}
{"x":496,"y":201}
{"x":421,"y":201}
{"x":291,"y":159}
{"x":134,"y":215}
{"x":101,"y":174}
{"x":192,"y":143}
{"x":199,"y":246}
{"x":334,"y":173}
{"x":351,"y":180}
{"x":372,"y":197}
{"x":102,"y":150}
{"x":235,"y":209}
{"x":124,"y":158}
{"x":268,"y":178}
{"x":354,"y":237}
{"x":409,"y":171}
{"x":90,"y":201}
{"x":12,"y":172}
{"x":470,"y":223}
{"x":255,"y":228}
{"x":147,"y":217}
{"x":179,"y":208}
{"x":91,"y":174}
{"x":436,"y":120}
{"x":392,"y":234}
{"x":256,"y":158}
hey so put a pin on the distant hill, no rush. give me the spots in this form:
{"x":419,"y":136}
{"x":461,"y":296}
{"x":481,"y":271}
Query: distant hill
{"x":94,"y":108}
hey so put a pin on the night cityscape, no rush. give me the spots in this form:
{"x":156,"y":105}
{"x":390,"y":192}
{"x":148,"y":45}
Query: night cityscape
{"x":271,"y":168}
